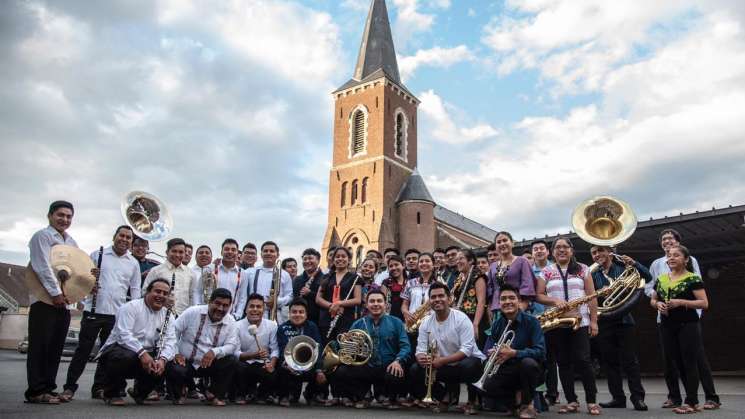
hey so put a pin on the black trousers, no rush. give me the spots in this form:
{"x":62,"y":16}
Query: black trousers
{"x":220,"y":374}
{"x":515,"y":375}
{"x":682,"y":343}
{"x":572,"y":350}
{"x":47,"y":330}
{"x":118,"y":364}
{"x":617,"y":345}
{"x":91,"y":327}
{"x":448,"y":378}
{"x":552,"y":375}
{"x":289,"y":384}
{"x":247,"y":376}
{"x":672,"y":375}
{"x":358,"y":379}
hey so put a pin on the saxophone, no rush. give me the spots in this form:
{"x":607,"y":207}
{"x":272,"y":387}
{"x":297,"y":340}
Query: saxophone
{"x":556,"y":317}
{"x":419,"y":314}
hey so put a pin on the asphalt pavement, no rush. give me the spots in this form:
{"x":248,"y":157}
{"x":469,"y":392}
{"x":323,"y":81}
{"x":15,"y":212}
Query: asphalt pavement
{"x":13,"y":384}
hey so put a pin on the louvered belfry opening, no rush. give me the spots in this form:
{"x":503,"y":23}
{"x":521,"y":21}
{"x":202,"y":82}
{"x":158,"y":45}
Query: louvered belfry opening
{"x":400,"y":135}
{"x":358,"y":138}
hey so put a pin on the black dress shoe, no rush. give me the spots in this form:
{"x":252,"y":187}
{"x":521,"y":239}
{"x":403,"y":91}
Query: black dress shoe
{"x":640,"y":405}
{"x":614,"y":404}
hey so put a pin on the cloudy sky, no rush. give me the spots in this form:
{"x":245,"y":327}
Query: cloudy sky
{"x":223,"y":109}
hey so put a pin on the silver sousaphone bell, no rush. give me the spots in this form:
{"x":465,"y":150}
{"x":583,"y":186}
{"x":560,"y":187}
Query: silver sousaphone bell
{"x":147,"y":215}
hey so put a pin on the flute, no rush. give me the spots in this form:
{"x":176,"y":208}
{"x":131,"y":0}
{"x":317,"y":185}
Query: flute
{"x":336,"y":318}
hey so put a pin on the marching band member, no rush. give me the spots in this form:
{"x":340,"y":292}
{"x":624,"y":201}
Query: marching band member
{"x":616,"y":336}
{"x":415,"y":292}
{"x":482,"y":262}
{"x":227,"y":275}
{"x":458,"y":360}
{"x":140,"y":247}
{"x":391,"y":350}
{"x":451,"y":270}
{"x":182,"y":291}
{"x":394,"y":285}
{"x":306,"y":284}
{"x":411,"y":257}
{"x":492,"y":254}
{"x":676,"y":297}
{"x":47,"y":324}
{"x":439,"y":259}
{"x":248,"y":256}
{"x":131,"y":351}
{"x":289,"y":265}
{"x":367,"y":271}
{"x":292,"y":381}
{"x":257,"y":353}
{"x":668,"y":239}
{"x":539,"y":250}
{"x":119,"y":273}
{"x":375,"y":256}
{"x":204,"y":344}
{"x":519,"y":363}
{"x":188,"y":253}
{"x":261,"y":281}
{"x":382,"y":274}
{"x":564,"y":281}
{"x":204,"y":265}
{"x":510,"y":269}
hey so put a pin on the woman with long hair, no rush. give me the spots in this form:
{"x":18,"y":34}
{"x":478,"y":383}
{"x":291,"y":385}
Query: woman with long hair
{"x":415,"y":292}
{"x":469,"y":296}
{"x":509,"y":269}
{"x":367,"y":270}
{"x":677,"y":296}
{"x":394,"y":285}
{"x":564,"y":281}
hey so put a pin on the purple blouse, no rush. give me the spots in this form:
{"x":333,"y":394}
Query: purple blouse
{"x":519,"y":275}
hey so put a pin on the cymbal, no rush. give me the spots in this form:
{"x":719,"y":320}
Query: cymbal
{"x":66,"y":261}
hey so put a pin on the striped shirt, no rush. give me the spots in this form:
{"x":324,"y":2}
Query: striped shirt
{"x":575,"y":284}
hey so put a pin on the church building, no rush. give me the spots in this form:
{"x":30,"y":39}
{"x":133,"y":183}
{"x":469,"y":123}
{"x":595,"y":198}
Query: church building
{"x":377,"y":198}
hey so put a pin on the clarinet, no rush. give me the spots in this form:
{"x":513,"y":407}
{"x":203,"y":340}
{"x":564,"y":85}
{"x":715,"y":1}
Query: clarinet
{"x":95,"y":285}
{"x":336,"y":318}
{"x":164,"y":327}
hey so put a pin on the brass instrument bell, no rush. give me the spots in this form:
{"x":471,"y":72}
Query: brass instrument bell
{"x":147,"y":215}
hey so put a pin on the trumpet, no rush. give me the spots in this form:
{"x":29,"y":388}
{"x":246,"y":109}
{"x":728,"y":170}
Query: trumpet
{"x":430,"y":373}
{"x":492,"y":366}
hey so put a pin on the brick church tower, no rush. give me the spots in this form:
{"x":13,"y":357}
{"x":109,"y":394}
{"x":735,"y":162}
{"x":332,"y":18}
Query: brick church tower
{"x":375,"y":154}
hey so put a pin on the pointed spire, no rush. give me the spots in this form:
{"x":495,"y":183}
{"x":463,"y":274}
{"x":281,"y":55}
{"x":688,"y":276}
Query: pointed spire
{"x":414,"y":189}
{"x":377,"y":51}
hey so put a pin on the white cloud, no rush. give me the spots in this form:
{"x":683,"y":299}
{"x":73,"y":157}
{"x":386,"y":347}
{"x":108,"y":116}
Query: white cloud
{"x":439,"y":123}
{"x":434,"y":57}
{"x":409,"y":21}
{"x":357,"y":5}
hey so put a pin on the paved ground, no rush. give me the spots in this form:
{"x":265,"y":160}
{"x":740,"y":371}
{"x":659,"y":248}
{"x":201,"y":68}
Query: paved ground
{"x":13,"y":382}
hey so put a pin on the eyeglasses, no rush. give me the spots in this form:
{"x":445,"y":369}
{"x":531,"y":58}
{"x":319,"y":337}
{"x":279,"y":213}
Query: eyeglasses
{"x":562,"y":247}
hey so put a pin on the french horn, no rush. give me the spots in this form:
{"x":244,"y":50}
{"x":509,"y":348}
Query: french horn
{"x":354,"y":347}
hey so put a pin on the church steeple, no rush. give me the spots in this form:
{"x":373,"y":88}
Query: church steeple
{"x":376,"y":50}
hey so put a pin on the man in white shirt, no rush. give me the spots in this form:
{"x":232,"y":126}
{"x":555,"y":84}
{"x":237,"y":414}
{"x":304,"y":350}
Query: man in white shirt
{"x":47,"y":324}
{"x":188,"y":252}
{"x":182,"y":291}
{"x":670,"y":238}
{"x":227,"y":274}
{"x":203,"y":267}
{"x":204,"y":346}
{"x":119,"y":273}
{"x":458,"y":359}
{"x":248,"y":256}
{"x":257,"y":353}
{"x":260,"y":280}
{"x":131,"y":351}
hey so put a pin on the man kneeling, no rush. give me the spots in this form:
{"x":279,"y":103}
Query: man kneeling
{"x":520,"y":363}
{"x":130,"y":351}
{"x":204,"y":346}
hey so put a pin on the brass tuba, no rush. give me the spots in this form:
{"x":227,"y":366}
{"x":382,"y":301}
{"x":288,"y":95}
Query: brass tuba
{"x":301,"y":354}
{"x":354,"y":347}
{"x":608,"y":221}
{"x":147,"y":215}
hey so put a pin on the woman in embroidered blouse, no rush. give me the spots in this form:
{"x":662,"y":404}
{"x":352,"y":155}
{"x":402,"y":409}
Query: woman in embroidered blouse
{"x":677,"y":296}
{"x":394,"y":285}
{"x":510,"y":269}
{"x":415,"y":292}
{"x":564,"y":281}
{"x":367,"y":272}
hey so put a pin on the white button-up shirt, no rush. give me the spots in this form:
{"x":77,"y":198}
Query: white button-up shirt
{"x":230,"y":279}
{"x":266,"y":333}
{"x":452,"y":335}
{"x":39,"y":246}
{"x":220,"y":337}
{"x":118,"y":274}
{"x":263,"y":279}
{"x":182,"y":288}
{"x":137,"y":327}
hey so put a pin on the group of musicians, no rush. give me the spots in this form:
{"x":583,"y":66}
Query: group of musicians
{"x":220,"y":331}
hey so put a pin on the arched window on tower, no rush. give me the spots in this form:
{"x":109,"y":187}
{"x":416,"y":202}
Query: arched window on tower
{"x":364,"y":190}
{"x":354,"y":192}
{"x":343,"y":194}
{"x":358,"y":132}
{"x":400,"y":139}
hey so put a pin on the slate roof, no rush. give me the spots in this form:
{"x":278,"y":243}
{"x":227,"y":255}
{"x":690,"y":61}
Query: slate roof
{"x":462,"y":223}
{"x":414,"y":190}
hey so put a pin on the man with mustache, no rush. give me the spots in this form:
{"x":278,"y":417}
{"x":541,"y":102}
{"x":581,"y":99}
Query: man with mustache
{"x":257,"y":353}
{"x":204,"y":346}
{"x":130,"y":351}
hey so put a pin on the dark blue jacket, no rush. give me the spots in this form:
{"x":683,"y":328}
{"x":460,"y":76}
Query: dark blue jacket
{"x":287,"y":331}
{"x":528,"y":341}
{"x":389,"y":340}
{"x":600,"y":281}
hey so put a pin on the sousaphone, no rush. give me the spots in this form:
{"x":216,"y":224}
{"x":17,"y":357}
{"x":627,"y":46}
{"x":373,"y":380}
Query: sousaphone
{"x":72,"y":268}
{"x":608,"y":221}
{"x":147,"y":215}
